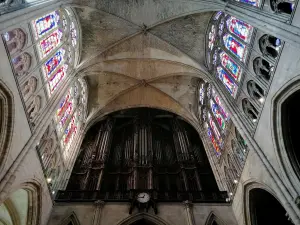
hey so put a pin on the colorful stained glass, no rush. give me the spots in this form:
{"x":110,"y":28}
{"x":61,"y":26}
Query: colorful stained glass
{"x":221,"y":27}
{"x":50,"y":42}
{"x":213,"y":141}
{"x":214,"y":128}
{"x":227,"y":81}
{"x":201,"y":94}
{"x":73,"y":34}
{"x":63,"y":105}
{"x":237,"y":48}
{"x":250,"y":2}
{"x":45,"y":24}
{"x":221,"y":107}
{"x":218,"y":14}
{"x":216,"y":111}
{"x":53,"y":62}
{"x":231,"y":66}
{"x":70,"y":131}
{"x":57,"y":78}
{"x":212,"y":37}
{"x":239,"y":28}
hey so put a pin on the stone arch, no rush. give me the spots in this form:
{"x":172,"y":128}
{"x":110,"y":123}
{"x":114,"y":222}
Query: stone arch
{"x":249,"y":109}
{"x":255,"y":91}
{"x":7,"y":120}
{"x":22,"y":63}
{"x":15,"y":40}
{"x":270,"y":45}
{"x":282,"y":6}
{"x":284,"y":149}
{"x":70,"y":219}
{"x":29,"y":195}
{"x":143,"y":216}
{"x":262,"y":68}
{"x":254,"y":191}
{"x":212,"y":219}
{"x":29,"y":87}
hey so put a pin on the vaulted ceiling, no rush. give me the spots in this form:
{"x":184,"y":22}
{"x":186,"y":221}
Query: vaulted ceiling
{"x":142,"y":53}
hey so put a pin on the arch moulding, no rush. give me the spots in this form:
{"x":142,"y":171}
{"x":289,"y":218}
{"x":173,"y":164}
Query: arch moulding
{"x":7,"y":119}
{"x":277,"y":135}
{"x":151,"y":218}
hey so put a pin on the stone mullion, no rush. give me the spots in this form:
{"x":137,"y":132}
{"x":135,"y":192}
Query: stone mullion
{"x":265,"y":21}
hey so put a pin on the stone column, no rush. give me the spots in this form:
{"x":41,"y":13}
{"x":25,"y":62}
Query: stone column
{"x":269,"y":23}
{"x":188,"y":206}
{"x":98,"y":212}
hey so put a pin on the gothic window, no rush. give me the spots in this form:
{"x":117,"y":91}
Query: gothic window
{"x":22,"y":64}
{"x":255,"y":91}
{"x":45,"y":24}
{"x":239,"y":28}
{"x":69,"y":116}
{"x":15,"y":40}
{"x":262,"y":68}
{"x":56,"y":42}
{"x":282,"y":6}
{"x":228,"y":41}
{"x":270,"y":45}
{"x":216,"y":117}
{"x":250,"y":111}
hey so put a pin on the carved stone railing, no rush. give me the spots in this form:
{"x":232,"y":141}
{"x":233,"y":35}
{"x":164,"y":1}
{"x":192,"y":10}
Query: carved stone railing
{"x":125,"y":196}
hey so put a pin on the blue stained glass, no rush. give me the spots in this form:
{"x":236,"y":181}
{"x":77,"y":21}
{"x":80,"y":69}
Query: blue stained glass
{"x":234,"y":46}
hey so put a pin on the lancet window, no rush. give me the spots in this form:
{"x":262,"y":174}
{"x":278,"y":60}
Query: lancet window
{"x":56,"y":37}
{"x":213,"y":113}
{"x":69,"y":115}
{"x":228,"y":45}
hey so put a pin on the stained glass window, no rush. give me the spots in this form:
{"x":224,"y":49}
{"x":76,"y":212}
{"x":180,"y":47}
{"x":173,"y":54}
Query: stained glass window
{"x":73,"y":34}
{"x":213,"y":141}
{"x":215,"y":129}
{"x":201,"y":94}
{"x":52,"y":63}
{"x":45,"y":24}
{"x":231,"y":66}
{"x":250,"y":2}
{"x":227,"y":81}
{"x":216,"y":111}
{"x":51,"y":42}
{"x":57,"y":77}
{"x":239,"y":28}
{"x":221,"y":107}
{"x":218,"y":14}
{"x":234,"y":46}
{"x":212,"y":37}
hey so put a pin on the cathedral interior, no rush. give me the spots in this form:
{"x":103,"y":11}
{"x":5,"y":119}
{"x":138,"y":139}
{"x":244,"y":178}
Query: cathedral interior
{"x":149,"y":112}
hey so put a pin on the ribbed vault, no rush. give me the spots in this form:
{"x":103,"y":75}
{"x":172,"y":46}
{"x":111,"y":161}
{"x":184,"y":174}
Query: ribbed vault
{"x":143,"y":53}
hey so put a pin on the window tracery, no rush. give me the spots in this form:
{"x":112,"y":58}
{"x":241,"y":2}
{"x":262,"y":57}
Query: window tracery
{"x":250,"y":111}
{"x":283,"y":6}
{"x":213,"y":113}
{"x":270,"y":46}
{"x":255,"y":91}
{"x":263,"y":68}
{"x":69,"y":115}
{"x":228,"y":46}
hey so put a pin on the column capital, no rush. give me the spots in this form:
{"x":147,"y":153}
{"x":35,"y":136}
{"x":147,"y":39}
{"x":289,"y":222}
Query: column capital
{"x":187,"y":204}
{"x":99,"y":203}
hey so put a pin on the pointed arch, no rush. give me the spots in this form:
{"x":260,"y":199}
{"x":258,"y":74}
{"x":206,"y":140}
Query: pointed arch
{"x":71,"y":218}
{"x":282,"y":135}
{"x":213,"y":218}
{"x":7,"y":119}
{"x":148,"y":217}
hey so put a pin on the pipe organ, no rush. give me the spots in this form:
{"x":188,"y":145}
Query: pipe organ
{"x":142,"y":149}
